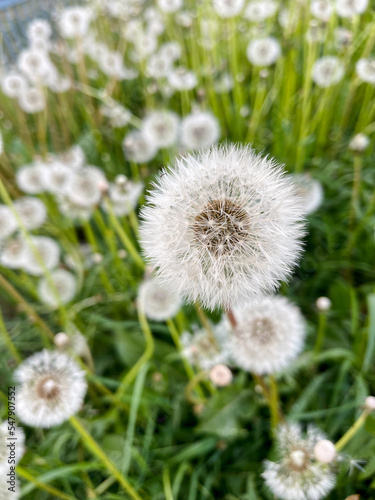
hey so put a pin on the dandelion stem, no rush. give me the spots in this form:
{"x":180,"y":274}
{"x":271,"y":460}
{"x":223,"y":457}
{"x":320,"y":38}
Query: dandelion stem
{"x":93,"y":446}
{"x":321,"y":332}
{"x":352,"y":430}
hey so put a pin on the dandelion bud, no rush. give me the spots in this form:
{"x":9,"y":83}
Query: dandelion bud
{"x":97,"y":258}
{"x":221,"y":375}
{"x":325,"y":451}
{"x":121,"y":254}
{"x":61,"y":340}
{"x":323,"y":304}
{"x":370,"y":403}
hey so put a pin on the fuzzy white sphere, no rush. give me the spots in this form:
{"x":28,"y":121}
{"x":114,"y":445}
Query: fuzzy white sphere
{"x":161,"y":128}
{"x":263,"y":51}
{"x":269,"y":335}
{"x":41,"y":253}
{"x":51,"y":389}
{"x":157,"y":301}
{"x":350,"y":8}
{"x":310,"y":192}
{"x":325,"y":451}
{"x":221,"y":375}
{"x":327,"y":71}
{"x":365,"y":69}
{"x":323,"y":304}
{"x":199,"y":130}
{"x":370,"y":403}
{"x":61,"y":288}
{"x":31,"y":211}
{"x":8,"y":222}
{"x":228,"y":8}
{"x":222,"y":226}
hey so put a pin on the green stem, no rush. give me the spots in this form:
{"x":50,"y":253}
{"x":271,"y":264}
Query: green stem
{"x":50,"y":489}
{"x":8,"y":340}
{"x":321,"y":332}
{"x":352,"y":431}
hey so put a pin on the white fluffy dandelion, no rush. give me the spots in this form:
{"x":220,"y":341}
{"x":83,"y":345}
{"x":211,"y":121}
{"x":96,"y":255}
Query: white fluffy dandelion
{"x":199,"y":130}
{"x":13,"y":253}
{"x":30,"y":178}
{"x":56,"y":176}
{"x":138,"y":148}
{"x":42,"y":253}
{"x":32,"y":211}
{"x":260,"y":10}
{"x":182,"y":79}
{"x":322,"y":9}
{"x":32,"y":100}
{"x":161,"y":128}
{"x":365,"y":69}
{"x":85,"y":186}
{"x":51,"y":389}
{"x":268,"y":336}
{"x":8,"y":223}
{"x":123,"y":195}
{"x":169,"y":6}
{"x":74,"y":22}
{"x":39,"y":29}
{"x":327,"y":71}
{"x":350,"y":8}
{"x":359,"y":143}
{"x":263,"y":51}
{"x":222,"y":226}
{"x":157,"y":301}
{"x":298,"y":475}
{"x":61,"y":287}
{"x":205,"y":350}
{"x":228,"y":8}
{"x":14,"y":85}
{"x":310,"y":192}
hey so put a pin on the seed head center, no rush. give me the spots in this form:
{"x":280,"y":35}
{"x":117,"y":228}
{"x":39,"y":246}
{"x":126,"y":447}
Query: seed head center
{"x":221,"y":226}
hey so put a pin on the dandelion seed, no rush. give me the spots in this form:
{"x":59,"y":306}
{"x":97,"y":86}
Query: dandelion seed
{"x":51,"y":389}
{"x":263,"y":51}
{"x":62,"y":289}
{"x":222,"y":226}
{"x":327,"y":71}
{"x":297,"y":475}
{"x":269,"y":335}
{"x":157,"y":302}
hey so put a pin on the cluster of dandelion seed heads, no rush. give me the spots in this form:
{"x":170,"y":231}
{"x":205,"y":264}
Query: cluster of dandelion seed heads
{"x":222,"y":226}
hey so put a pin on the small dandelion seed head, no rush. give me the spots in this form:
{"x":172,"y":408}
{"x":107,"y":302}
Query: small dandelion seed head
{"x":157,"y":302}
{"x":327,"y":71}
{"x":370,"y":403}
{"x":221,"y":375}
{"x":62,"y":289}
{"x":297,"y":475}
{"x":51,"y":389}
{"x":325,"y":451}
{"x":310,"y":192}
{"x":359,"y":143}
{"x":31,"y":211}
{"x":263,"y":51}
{"x":268,"y":336}
{"x":323,"y":304}
{"x":350,"y":8}
{"x":199,"y":130}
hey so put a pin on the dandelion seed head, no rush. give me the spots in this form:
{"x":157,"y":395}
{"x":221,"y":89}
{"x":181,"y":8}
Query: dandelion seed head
{"x":199,"y":130}
{"x":32,"y":100}
{"x":74,"y":22}
{"x":39,"y":29}
{"x":14,"y":85}
{"x":138,"y":148}
{"x":323,"y":304}
{"x":228,"y":8}
{"x":297,"y":475}
{"x":310,"y":192}
{"x":327,"y":71}
{"x":161,"y":128}
{"x":325,"y":451}
{"x":322,"y":9}
{"x":268,"y":336}
{"x":182,"y":79}
{"x":30,"y":178}
{"x":62,"y":289}
{"x":169,"y":6}
{"x":263,"y":51}
{"x":260,"y":10}
{"x":370,"y":403}
{"x":350,"y":8}
{"x":359,"y":143}
{"x":221,"y":375}
{"x":32,"y":211}
{"x":222,"y":226}
{"x":51,"y":389}
{"x":157,"y":302}
{"x":43,"y":253}
{"x":365,"y":69}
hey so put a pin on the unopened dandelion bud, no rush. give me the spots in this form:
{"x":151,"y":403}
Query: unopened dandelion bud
{"x":325,"y":451}
{"x":323,"y":304}
{"x":221,"y":375}
{"x":61,"y":340}
{"x":370,"y":403}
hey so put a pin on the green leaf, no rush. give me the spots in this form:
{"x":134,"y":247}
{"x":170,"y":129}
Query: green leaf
{"x":370,"y":347}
